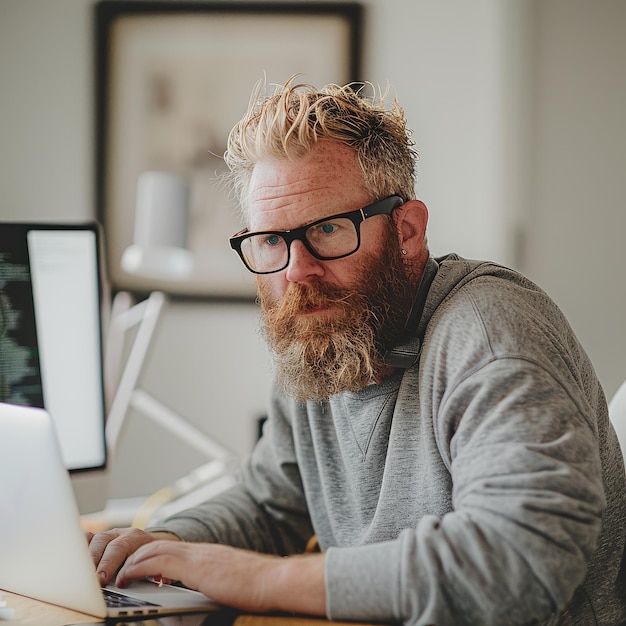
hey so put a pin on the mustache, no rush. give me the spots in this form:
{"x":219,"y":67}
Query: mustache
{"x":301,"y":298}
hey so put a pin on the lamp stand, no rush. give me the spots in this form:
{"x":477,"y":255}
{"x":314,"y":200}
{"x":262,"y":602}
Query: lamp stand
{"x":144,"y":316}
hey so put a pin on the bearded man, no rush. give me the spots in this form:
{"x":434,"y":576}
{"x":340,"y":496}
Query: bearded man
{"x":435,"y":424}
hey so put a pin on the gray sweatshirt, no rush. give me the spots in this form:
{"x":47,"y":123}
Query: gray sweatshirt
{"x":482,"y":485}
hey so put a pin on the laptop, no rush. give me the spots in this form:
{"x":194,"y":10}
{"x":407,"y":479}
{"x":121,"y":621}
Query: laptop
{"x":43,"y":550}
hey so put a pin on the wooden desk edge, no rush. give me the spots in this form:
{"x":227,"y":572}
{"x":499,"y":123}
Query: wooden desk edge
{"x":30,"y":612}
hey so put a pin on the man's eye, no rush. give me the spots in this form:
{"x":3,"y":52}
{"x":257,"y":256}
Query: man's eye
{"x":272,"y":240}
{"x":328,"y":228}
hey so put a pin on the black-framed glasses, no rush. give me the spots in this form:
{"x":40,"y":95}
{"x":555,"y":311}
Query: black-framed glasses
{"x":334,"y":237}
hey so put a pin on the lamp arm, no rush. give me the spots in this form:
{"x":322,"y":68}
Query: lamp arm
{"x":145,"y":315}
{"x":154,"y":410}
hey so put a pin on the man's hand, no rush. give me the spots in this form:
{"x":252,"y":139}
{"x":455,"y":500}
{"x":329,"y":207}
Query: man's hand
{"x":109,"y":549}
{"x":234,"y":577}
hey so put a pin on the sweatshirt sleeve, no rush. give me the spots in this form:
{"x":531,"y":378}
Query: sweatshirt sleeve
{"x":266,"y":511}
{"x":527,"y":507}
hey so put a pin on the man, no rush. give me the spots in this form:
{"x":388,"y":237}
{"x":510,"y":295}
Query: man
{"x":435,"y":423}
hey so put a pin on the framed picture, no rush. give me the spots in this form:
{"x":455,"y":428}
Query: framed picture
{"x":172,"y":80}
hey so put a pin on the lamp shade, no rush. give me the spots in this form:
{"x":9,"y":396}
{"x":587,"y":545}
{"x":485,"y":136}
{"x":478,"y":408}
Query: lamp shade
{"x":159,"y":247}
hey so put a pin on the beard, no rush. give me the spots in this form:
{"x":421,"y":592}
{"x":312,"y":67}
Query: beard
{"x":317,"y":355}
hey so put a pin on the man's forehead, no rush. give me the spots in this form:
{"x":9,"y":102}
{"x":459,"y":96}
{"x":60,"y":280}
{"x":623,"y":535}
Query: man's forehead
{"x":289,"y":211}
{"x":326,"y":161}
{"x":287,"y":194}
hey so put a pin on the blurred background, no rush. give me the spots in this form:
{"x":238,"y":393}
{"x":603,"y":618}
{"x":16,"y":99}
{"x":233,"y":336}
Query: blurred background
{"x":518,"y":109}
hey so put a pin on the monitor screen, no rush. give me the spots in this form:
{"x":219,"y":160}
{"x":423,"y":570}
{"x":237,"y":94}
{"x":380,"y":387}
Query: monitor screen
{"x":51,"y":332}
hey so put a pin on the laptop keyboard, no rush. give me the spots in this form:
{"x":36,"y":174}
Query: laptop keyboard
{"x":117,"y":600}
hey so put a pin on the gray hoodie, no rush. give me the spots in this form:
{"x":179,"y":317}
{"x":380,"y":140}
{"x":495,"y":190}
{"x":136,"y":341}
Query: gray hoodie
{"x":481,"y":485}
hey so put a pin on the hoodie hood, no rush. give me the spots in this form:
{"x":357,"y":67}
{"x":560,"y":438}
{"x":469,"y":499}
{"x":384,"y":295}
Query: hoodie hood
{"x":442,"y":277}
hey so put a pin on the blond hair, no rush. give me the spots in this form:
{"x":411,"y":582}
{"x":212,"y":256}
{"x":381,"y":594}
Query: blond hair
{"x":287,"y":123}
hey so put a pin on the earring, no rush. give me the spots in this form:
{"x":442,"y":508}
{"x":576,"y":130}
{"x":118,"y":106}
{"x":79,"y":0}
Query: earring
{"x":403,"y":251}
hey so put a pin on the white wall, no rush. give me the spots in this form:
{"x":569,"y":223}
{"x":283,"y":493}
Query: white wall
{"x":461,"y":71}
{"x":46,"y":129}
{"x":517,"y":108}
{"x":576,"y":205}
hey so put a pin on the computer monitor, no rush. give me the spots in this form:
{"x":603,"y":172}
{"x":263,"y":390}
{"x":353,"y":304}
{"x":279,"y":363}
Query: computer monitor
{"x":51,"y":300}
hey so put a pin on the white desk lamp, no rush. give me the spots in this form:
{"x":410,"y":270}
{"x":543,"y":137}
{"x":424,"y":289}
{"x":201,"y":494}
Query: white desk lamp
{"x":158,"y":249}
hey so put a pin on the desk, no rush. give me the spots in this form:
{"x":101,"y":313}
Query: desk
{"x":29,"y":612}
{"x":35,"y":613}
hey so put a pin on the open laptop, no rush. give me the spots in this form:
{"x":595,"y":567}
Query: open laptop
{"x":43,"y":550}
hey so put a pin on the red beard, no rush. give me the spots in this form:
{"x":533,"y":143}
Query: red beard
{"x":341,"y":346}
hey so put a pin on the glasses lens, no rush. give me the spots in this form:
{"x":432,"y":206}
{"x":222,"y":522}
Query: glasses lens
{"x":269,"y":252}
{"x":265,"y":253}
{"x":335,"y":238}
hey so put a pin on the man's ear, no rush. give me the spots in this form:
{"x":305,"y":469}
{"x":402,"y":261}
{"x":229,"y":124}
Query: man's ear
{"x":411,"y":219}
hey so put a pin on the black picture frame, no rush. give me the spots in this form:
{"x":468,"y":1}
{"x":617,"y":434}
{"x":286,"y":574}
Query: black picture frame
{"x":208,"y":56}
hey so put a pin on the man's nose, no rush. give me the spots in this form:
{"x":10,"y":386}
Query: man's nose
{"x":303,"y":266}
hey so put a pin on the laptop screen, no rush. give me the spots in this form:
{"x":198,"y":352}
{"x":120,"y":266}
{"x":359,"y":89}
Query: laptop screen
{"x":50,"y":332}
